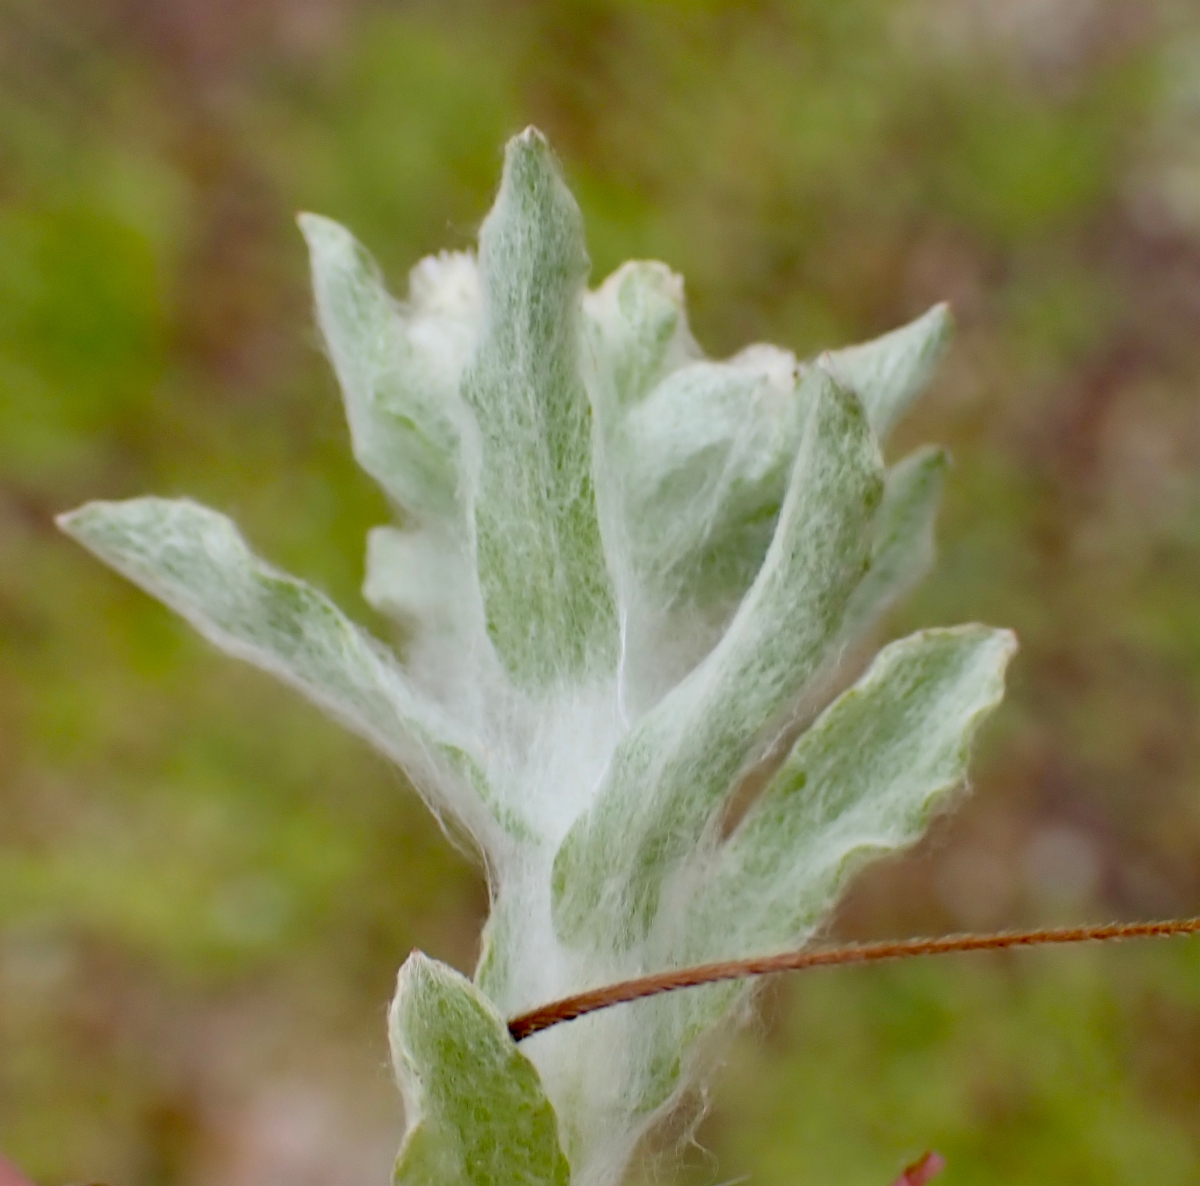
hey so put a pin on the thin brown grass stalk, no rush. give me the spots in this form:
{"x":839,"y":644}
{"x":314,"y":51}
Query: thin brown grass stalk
{"x":569,"y":1008}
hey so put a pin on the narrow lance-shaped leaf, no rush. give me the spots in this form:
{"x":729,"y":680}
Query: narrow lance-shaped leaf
{"x":860,"y":780}
{"x":400,"y":399}
{"x":476,"y":1111}
{"x":890,"y":372}
{"x":546,"y":590}
{"x":903,"y":550}
{"x":703,"y":462}
{"x":671,"y":775}
{"x":197,"y":562}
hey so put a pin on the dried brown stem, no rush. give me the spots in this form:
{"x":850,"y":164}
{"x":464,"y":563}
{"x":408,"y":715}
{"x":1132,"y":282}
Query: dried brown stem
{"x":569,"y":1008}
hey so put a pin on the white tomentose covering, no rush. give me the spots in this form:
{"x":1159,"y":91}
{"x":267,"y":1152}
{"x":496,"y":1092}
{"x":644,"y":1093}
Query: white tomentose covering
{"x":627,"y":574}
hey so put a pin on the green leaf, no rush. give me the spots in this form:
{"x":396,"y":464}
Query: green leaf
{"x":671,"y":775}
{"x":860,"y":781}
{"x":701,"y":468}
{"x":197,"y":562}
{"x":890,"y":372}
{"x":399,"y":367}
{"x":638,"y":329}
{"x":477,"y":1113}
{"x":546,"y":590}
{"x":904,"y":542}
{"x":709,"y":454}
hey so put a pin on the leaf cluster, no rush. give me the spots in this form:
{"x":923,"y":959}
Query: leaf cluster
{"x":628,"y":576}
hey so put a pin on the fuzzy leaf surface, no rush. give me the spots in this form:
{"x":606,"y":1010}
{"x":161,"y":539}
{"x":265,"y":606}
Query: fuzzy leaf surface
{"x":399,"y":387}
{"x":638,"y":329}
{"x":195,"y":560}
{"x":710,"y":451}
{"x":477,"y":1114}
{"x":889,"y":372}
{"x":903,"y":550}
{"x":671,"y":775}
{"x":546,"y":590}
{"x":860,"y":780}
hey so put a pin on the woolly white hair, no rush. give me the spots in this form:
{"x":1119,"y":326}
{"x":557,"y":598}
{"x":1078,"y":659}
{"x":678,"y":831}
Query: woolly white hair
{"x":624,"y":571}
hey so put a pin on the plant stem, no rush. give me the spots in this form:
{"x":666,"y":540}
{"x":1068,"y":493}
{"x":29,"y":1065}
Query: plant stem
{"x":575,"y":1006}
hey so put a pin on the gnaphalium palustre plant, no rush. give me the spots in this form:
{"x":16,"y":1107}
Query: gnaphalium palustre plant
{"x":625,"y":573}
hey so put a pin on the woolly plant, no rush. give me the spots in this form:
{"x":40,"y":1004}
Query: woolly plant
{"x":627,"y":578}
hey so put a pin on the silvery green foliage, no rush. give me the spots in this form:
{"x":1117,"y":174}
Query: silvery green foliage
{"x":625,"y":573}
{"x":475,"y":1106}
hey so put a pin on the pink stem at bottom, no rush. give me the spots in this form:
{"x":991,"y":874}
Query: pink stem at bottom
{"x":923,"y":1170}
{"x":10,"y":1175}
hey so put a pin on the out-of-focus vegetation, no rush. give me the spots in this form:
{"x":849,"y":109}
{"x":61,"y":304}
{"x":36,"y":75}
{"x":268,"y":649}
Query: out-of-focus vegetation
{"x":205,"y":889}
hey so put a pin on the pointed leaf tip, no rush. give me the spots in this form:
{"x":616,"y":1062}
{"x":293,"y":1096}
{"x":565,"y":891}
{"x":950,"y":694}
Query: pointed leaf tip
{"x":890,"y":372}
{"x":477,"y":1112}
{"x":196,"y":561}
{"x":861,"y":779}
{"x":314,"y":226}
{"x":400,"y":396}
{"x":546,"y":589}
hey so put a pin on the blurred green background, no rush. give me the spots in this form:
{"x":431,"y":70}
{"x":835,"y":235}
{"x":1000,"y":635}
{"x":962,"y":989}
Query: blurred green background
{"x":205,"y":889}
